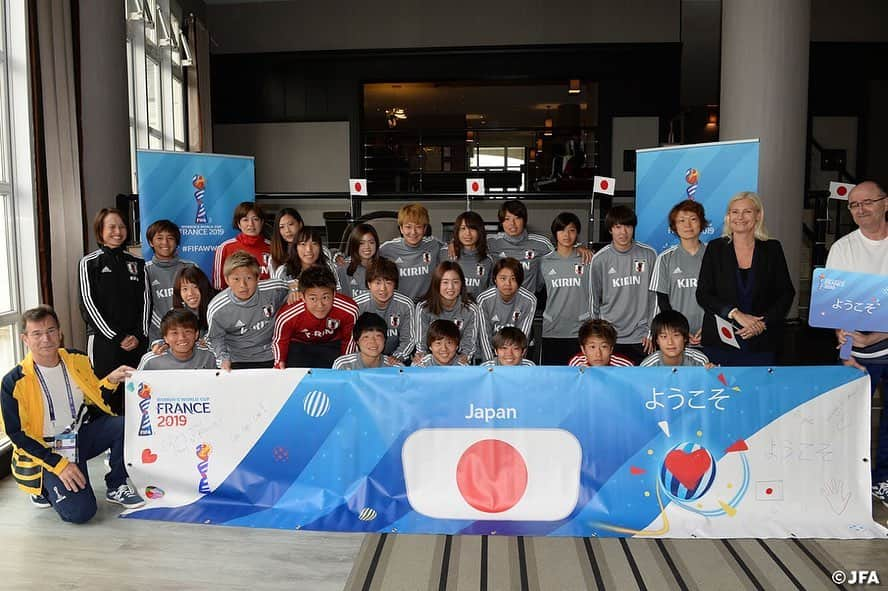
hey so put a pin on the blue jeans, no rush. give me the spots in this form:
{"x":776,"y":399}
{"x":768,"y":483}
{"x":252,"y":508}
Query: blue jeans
{"x":96,"y":435}
{"x":879,"y":373}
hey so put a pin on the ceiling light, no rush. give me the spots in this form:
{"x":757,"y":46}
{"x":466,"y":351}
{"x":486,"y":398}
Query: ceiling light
{"x":574,"y":87}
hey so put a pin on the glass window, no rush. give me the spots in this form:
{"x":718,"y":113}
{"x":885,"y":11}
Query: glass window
{"x":178,"y":111}
{"x":8,"y":354}
{"x":7,"y":294}
{"x":4,"y":128}
{"x":158,"y":119}
{"x":151,"y":21}
{"x":152,"y":78}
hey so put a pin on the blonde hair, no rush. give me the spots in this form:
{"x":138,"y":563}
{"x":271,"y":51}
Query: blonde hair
{"x":239,"y":259}
{"x":413,"y":213}
{"x":761,"y":232}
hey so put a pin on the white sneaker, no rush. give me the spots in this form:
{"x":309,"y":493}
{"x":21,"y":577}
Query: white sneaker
{"x":880,"y":492}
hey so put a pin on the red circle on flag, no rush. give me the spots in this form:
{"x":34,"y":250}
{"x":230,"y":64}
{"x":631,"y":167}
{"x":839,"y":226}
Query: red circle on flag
{"x":769,"y":491}
{"x":475,"y":187}
{"x":604,"y":185}
{"x":727,"y":332}
{"x":841,"y":191}
{"x":491,"y":476}
{"x":358,"y":187}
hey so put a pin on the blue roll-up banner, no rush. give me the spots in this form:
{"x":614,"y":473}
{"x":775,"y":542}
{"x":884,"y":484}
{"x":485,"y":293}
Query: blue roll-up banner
{"x":709,"y":173}
{"x":196,"y":191}
{"x":542,"y":451}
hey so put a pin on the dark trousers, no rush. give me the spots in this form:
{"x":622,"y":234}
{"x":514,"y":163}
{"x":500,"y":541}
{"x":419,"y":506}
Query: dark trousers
{"x":879,"y":373}
{"x":106,"y":356}
{"x":100,"y":433}
{"x":319,"y":355}
{"x":633,"y":351}
{"x":558,"y":351}
{"x":738,"y":357}
{"x":252,"y":364}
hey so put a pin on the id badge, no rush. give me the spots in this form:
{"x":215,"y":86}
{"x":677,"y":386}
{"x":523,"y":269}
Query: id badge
{"x":65,"y":444}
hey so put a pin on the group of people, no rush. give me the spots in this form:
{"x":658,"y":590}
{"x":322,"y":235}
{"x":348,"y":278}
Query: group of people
{"x":414,"y":300}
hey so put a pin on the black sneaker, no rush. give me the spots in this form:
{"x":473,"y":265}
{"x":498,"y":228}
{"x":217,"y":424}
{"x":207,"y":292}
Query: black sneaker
{"x":125,"y":495}
{"x":40,"y":501}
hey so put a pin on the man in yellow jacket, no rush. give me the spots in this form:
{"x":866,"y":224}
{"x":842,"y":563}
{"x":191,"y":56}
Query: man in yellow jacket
{"x":56,"y":412}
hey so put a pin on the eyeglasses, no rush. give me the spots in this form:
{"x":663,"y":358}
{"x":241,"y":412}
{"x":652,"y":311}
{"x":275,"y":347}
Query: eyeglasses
{"x":39,"y":334}
{"x":864,"y":203}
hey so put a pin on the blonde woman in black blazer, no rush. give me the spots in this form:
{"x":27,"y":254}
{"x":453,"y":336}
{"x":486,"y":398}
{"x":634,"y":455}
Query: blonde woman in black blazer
{"x":744,"y":279}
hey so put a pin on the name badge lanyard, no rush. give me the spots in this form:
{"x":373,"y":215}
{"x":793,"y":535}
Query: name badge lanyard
{"x":48,"y":396}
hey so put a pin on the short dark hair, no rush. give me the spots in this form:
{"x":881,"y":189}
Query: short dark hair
{"x":179,"y":317}
{"x":317,"y":276}
{"x":671,"y":319}
{"x":515,"y":207}
{"x":41,"y":312}
{"x":368,"y":322}
{"x":622,"y":215}
{"x":241,"y":211}
{"x":690,"y":206}
{"x":597,"y":328}
{"x":508,"y":263}
{"x":99,"y":221}
{"x":163,"y":226}
{"x":382,"y":268}
{"x":442,"y":329}
{"x":509,"y":334}
{"x":563,"y":220}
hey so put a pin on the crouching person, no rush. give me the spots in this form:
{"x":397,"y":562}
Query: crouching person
{"x":56,"y":413}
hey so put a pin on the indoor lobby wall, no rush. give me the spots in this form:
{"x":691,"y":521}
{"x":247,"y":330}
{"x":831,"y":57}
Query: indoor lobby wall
{"x":313,"y":26}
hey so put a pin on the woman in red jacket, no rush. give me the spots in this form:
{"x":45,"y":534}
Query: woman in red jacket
{"x":249,"y":219}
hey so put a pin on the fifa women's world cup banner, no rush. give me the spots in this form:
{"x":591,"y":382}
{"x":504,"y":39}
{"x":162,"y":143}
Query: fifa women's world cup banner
{"x":728,"y":452}
{"x":196,"y":191}
{"x":709,"y":173}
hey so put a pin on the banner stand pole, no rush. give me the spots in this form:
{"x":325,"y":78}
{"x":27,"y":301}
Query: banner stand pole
{"x":590,"y":231}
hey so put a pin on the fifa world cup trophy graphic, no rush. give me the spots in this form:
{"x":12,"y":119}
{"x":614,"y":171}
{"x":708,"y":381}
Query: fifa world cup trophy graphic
{"x":144,"y":393}
{"x":203,"y":454}
{"x":199,"y":183}
{"x":692,"y":177}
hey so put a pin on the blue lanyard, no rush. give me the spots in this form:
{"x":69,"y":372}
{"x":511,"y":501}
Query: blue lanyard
{"x":48,"y":396}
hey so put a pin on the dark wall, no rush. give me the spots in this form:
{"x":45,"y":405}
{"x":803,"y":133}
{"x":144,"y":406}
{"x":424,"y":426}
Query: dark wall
{"x":850,"y":79}
{"x":638,"y":79}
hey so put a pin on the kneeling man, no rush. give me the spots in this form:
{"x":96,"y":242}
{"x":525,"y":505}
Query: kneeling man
{"x":56,"y":412}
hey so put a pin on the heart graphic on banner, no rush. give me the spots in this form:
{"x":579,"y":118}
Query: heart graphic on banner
{"x":688,"y":468}
{"x":148,"y":457}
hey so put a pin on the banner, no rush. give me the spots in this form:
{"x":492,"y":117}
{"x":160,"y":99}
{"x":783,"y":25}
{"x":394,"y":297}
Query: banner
{"x":709,"y":173}
{"x":555,"y":451}
{"x":196,"y":191}
{"x":851,"y":301}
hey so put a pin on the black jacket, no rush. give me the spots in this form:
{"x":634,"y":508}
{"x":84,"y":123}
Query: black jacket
{"x":772,"y":293}
{"x":114,"y":295}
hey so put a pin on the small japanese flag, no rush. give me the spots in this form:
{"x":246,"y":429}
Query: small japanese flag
{"x":840,"y":190}
{"x":769,"y":490}
{"x":492,"y":474}
{"x":475,"y":186}
{"x":357,"y":187}
{"x":726,"y":332}
{"x":605,"y":184}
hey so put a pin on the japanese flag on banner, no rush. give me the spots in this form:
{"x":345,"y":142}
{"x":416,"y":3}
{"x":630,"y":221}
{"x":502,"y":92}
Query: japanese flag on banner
{"x":726,"y":332}
{"x":357,"y":187}
{"x":840,"y":190}
{"x":475,"y":186}
{"x":605,"y":184}
{"x":492,"y":474}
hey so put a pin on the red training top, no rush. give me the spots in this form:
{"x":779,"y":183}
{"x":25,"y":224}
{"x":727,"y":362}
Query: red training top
{"x":257,"y":246}
{"x":295,"y":323}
